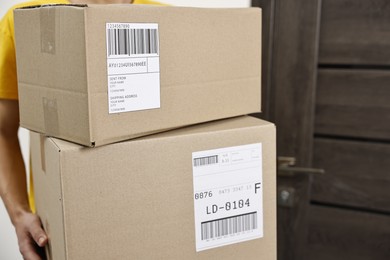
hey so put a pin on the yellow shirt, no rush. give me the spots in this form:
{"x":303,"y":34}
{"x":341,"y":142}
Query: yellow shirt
{"x":8,"y":78}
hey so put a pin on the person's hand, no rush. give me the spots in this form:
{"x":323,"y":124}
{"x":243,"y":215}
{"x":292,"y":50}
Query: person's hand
{"x":31,"y":236}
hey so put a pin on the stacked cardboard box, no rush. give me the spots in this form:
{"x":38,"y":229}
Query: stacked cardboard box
{"x":79,"y":79}
{"x":166,"y":196}
{"x":96,"y":75}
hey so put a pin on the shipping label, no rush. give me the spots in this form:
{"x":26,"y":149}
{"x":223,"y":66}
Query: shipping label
{"x":133,"y":66}
{"x":228,"y":195}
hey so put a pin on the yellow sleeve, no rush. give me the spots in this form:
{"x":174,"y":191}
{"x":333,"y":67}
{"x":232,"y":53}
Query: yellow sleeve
{"x":8,"y":79}
{"x":146,"y":2}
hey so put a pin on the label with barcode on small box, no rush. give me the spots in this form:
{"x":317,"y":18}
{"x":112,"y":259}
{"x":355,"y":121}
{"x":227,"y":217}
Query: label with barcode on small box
{"x":228,"y":195}
{"x":133,"y":66}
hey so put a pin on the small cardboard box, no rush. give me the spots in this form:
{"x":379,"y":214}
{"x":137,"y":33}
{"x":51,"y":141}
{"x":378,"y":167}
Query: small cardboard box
{"x":202,"y":192}
{"x":98,"y":74}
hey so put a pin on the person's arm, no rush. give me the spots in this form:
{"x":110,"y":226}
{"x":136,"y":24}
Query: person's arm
{"x":13,"y":184}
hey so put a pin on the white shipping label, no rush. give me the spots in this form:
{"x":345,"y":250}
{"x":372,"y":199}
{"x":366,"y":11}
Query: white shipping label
{"x":133,"y":66}
{"x":228,"y":195}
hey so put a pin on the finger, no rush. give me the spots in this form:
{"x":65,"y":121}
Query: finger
{"x":37,"y":233}
{"x":41,"y":252}
{"x":28,"y":251}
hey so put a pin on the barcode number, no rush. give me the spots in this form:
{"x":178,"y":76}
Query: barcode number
{"x":132,"y":41}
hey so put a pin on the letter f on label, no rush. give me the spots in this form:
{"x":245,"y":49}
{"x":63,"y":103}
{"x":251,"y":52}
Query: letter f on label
{"x":257,"y":186}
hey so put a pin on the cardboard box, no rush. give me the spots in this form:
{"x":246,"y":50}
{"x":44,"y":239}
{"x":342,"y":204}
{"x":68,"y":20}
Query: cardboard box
{"x":98,"y":74}
{"x":146,"y":198}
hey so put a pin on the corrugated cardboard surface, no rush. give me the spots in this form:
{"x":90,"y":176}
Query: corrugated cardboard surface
{"x":210,"y":68}
{"x":134,"y":200}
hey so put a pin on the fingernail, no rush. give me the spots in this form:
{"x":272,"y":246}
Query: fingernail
{"x":41,"y":240}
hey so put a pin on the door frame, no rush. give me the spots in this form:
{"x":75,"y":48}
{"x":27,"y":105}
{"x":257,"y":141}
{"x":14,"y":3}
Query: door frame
{"x":290,"y":58}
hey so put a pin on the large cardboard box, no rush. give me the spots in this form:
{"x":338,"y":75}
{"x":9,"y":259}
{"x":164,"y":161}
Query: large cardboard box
{"x":98,"y":74}
{"x":202,"y":192}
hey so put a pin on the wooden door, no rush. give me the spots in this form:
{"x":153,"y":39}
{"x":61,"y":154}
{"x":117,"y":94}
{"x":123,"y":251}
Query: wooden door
{"x":327,"y":88}
{"x":350,"y":212}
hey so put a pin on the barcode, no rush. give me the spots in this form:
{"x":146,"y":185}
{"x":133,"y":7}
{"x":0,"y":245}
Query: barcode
{"x":228,"y":226}
{"x":132,"y":41}
{"x":206,"y":160}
